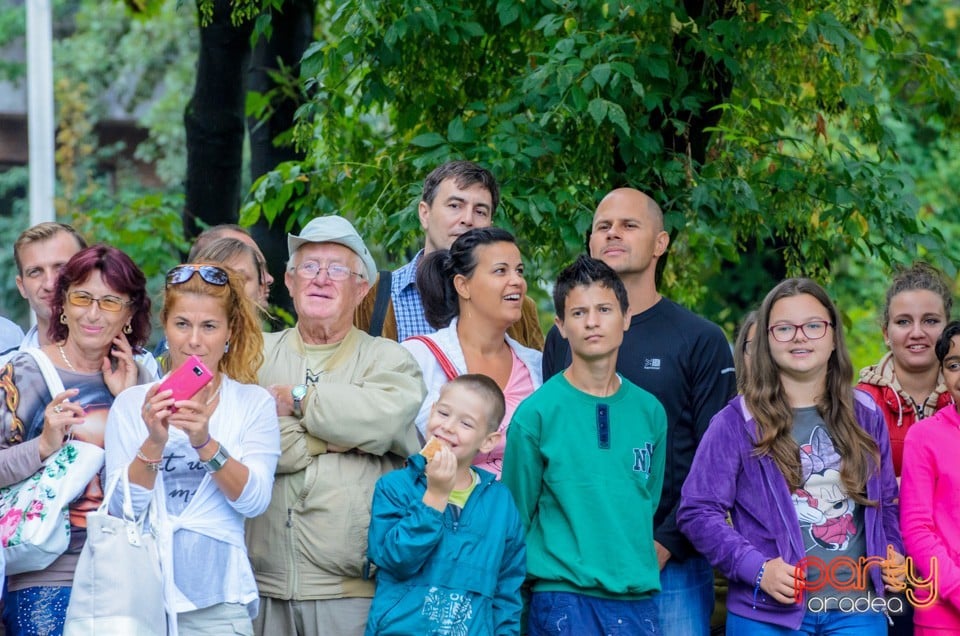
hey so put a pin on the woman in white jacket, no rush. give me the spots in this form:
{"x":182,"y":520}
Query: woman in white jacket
{"x":217,"y":451}
{"x":472,"y":293}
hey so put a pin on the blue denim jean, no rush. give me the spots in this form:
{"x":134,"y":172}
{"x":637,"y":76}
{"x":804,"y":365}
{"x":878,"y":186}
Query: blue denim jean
{"x":830,"y":623}
{"x":568,"y":614}
{"x":685,"y":601}
{"x":36,"y":611}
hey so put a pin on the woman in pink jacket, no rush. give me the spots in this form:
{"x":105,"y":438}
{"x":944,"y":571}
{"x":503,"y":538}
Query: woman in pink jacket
{"x":930,"y":500}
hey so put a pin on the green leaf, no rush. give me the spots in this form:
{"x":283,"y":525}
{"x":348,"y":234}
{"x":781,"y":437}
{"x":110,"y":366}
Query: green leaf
{"x":882,"y":36}
{"x":472,"y":29}
{"x":600,"y":73}
{"x":550,"y":24}
{"x":508,"y":12}
{"x":428,"y":140}
{"x":618,"y":117}
{"x":658,"y":68}
{"x":578,"y":97}
{"x":455,"y":131}
{"x":624,"y":69}
{"x":598,"y":109}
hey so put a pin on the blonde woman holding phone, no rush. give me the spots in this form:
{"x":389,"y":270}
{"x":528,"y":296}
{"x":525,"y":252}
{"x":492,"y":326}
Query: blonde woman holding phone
{"x":216,"y":452}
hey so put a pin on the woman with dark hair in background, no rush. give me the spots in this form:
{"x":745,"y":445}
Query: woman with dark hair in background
{"x":742,"y":348}
{"x":101,"y":318}
{"x":243,"y":259}
{"x":472,"y":293}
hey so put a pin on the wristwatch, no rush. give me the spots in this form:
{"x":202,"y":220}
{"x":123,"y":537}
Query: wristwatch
{"x":216,"y":462}
{"x":298,"y":392}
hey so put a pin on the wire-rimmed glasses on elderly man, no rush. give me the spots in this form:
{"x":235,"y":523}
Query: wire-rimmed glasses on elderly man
{"x":308,"y":270}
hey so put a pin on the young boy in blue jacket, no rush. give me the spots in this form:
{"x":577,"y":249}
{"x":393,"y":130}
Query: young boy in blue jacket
{"x":584,"y":459}
{"x":446,"y":536}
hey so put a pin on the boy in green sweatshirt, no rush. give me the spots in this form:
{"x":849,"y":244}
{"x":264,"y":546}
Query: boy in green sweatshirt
{"x":584,"y":460}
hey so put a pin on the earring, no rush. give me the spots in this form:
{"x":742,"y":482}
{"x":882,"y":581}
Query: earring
{"x":127,"y":329}
{"x":63,"y":319}
{"x":226,"y":347}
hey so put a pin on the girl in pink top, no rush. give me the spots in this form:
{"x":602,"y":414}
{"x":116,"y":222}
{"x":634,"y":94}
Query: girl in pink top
{"x":930,"y":500}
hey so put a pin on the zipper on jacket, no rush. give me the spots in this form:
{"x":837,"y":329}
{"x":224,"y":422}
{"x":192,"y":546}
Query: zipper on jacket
{"x":456,"y":512}
{"x":292,"y":562}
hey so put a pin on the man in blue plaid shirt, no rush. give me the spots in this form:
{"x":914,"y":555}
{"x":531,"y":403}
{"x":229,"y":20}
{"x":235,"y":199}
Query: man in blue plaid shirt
{"x":457,"y":196}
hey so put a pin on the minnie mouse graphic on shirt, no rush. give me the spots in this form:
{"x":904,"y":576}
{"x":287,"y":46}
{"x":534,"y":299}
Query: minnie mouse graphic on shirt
{"x":823,"y":507}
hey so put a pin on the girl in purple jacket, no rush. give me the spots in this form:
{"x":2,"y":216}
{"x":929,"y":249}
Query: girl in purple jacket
{"x":801,"y":462}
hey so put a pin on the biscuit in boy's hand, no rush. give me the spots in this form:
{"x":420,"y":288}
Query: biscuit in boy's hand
{"x":431,"y":448}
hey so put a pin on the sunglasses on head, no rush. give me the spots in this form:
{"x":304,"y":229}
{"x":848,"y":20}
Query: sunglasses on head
{"x":209,"y":273}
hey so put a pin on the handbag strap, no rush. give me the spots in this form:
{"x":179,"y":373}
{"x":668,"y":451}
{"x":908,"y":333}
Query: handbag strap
{"x":380,"y":303}
{"x":49,"y":372}
{"x":121,"y":475}
{"x":448,"y":369}
{"x":155,"y":510}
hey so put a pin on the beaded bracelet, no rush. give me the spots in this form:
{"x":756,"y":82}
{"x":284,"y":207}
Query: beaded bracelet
{"x":201,"y":445}
{"x":153,"y":465}
{"x":756,"y":587}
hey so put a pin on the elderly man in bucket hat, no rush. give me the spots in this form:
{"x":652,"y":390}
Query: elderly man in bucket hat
{"x":346,"y":403}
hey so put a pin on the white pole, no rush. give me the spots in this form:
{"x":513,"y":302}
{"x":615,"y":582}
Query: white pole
{"x":40,"y":123}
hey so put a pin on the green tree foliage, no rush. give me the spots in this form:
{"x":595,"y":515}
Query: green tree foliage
{"x":764,"y":128}
{"x":11,"y":29}
{"x":144,"y":68}
{"x":108,"y":66}
{"x":780,"y":137}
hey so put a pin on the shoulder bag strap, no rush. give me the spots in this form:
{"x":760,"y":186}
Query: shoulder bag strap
{"x":49,"y":372}
{"x":445,"y":364}
{"x":380,"y":304}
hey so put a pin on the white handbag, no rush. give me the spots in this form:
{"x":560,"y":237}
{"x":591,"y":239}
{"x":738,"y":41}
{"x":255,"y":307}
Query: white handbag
{"x":118,"y":587}
{"x":34,"y":515}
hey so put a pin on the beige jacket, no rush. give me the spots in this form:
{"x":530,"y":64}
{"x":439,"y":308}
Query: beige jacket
{"x":311,"y":543}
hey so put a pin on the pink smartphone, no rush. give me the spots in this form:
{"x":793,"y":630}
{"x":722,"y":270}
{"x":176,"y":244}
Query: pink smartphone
{"x":187,"y":379}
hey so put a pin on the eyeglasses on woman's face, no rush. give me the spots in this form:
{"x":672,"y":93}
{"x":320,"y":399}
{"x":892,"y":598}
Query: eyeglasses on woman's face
{"x":812,"y":330}
{"x":106,"y":303}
